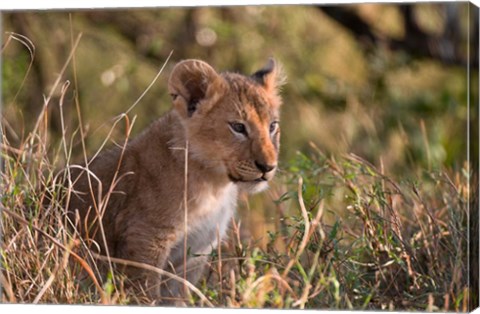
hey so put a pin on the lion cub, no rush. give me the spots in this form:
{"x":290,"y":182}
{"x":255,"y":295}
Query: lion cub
{"x":229,"y":125}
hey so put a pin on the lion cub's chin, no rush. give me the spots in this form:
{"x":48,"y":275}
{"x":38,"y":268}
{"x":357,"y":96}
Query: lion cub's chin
{"x":252,"y":187}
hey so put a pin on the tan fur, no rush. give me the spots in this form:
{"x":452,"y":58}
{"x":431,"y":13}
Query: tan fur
{"x":140,"y":196}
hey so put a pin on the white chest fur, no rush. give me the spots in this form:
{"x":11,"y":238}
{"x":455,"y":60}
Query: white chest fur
{"x":207,"y":222}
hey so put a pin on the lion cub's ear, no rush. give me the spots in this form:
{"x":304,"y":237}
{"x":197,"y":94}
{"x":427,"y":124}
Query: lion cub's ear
{"x":271,"y":76}
{"x":191,"y":83}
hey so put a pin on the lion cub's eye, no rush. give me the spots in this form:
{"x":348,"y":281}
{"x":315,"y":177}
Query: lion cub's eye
{"x":238,"y":127}
{"x":273,"y":126}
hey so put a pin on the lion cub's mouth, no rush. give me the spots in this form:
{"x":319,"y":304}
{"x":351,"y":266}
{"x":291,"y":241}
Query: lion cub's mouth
{"x":236,"y":180}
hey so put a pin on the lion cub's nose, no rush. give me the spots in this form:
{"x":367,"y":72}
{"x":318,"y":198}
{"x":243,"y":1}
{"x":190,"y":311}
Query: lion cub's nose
{"x":264,"y":167}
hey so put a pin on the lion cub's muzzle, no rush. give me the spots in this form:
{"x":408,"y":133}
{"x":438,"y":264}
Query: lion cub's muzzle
{"x":252,"y":171}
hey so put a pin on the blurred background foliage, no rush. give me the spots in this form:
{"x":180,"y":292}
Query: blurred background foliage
{"x":387,"y":82}
{"x":346,"y":92}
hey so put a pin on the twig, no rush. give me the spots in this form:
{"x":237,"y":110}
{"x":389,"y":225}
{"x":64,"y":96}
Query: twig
{"x":261,"y":279}
{"x":151,"y":84}
{"x":55,"y":84}
{"x":54,"y":273}
{"x":306,"y":233}
{"x":157,"y":270}
{"x":24,"y":40}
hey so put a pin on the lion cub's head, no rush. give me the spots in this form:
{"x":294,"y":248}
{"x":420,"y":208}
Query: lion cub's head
{"x":231,"y":120}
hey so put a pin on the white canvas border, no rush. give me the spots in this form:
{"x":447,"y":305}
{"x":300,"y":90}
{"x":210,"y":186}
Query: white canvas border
{"x":98,"y":4}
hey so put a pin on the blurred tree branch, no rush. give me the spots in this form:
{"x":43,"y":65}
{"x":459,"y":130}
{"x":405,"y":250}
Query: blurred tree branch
{"x":446,"y":48}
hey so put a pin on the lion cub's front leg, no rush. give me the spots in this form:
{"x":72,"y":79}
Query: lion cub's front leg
{"x":149,"y":245}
